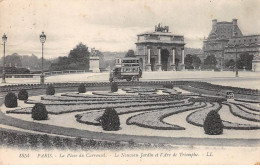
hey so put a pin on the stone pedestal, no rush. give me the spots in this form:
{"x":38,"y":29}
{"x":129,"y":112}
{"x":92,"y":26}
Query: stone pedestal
{"x":173,"y":67}
{"x":148,"y":67}
{"x":159,"y":67}
{"x":94,"y":64}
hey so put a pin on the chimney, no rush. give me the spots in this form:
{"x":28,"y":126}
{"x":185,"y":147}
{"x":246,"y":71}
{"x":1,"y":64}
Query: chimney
{"x":234,"y":22}
{"x":214,"y":24}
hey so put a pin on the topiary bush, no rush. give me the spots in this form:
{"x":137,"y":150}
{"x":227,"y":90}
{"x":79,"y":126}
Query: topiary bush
{"x":50,"y":90}
{"x":82,"y":88}
{"x":213,"y":124}
{"x":10,"y":100}
{"x":114,"y":87}
{"x":23,"y":94}
{"x":39,"y":112}
{"x":110,"y":120}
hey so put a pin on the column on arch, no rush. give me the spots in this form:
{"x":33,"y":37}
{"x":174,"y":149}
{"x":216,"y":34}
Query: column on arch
{"x":182,"y":59}
{"x":173,"y":59}
{"x":159,"y":66}
{"x":148,"y":65}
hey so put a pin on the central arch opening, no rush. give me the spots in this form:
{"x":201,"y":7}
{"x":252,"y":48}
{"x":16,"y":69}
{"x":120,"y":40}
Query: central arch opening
{"x":164,"y":59}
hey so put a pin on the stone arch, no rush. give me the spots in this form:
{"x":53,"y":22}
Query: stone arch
{"x":165,"y":59}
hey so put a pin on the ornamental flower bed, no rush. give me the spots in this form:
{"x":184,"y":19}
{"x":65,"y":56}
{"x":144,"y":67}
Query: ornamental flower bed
{"x":101,"y":95}
{"x":60,"y":109}
{"x":154,"y":119}
{"x":139,"y":89}
{"x":247,"y":100}
{"x":92,"y":117}
{"x":171,"y":91}
{"x":47,"y":102}
{"x":236,"y":111}
{"x":197,"y":118}
{"x":85,"y":98}
{"x":248,"y":106}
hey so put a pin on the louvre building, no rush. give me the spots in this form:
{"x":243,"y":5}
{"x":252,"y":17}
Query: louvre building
{"x":226,"y":40}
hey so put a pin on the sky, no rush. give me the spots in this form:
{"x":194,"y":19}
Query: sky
{"x":112,"y":25}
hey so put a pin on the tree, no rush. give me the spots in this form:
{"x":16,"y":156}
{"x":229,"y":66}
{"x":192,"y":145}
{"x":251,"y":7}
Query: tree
{"x":79,"y":52}
{"x":191,"y":61}
{"x":78,"y":59}
{"x":13,"y":60}
{"x":130,"y":53}
{"x":188,"y":61}
{"x":196,"y":62}
{"x":210,"y":61}
{"x":230,"y":64}
{"x":245,"y":60}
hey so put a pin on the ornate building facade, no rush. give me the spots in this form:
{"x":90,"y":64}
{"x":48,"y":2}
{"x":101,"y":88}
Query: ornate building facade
{"x":226,"y":41}
{"x":160,"y":50}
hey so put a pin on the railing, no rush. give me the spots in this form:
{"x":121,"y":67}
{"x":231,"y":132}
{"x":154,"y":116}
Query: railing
{"x":64,"y":72}
{"x":45,"y":73}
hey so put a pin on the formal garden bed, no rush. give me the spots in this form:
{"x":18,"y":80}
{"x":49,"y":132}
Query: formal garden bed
{"x":93,"y":116}
{"x":154,"y":119}
{"x":153,"y":111}
{"x":197,"y":118}
{"x":235,"y":110}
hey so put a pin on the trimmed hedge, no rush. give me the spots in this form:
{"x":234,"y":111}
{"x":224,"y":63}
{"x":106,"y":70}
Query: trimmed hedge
{"x":213,"y":124}
{"x":114,"y":87}
{"x":50,"y":90}
{"x":208,"y":99}
{"x":10,"y":100}
{"x":110,"y":120}
{"x":39,"y":112}
{"x":23,"y":94}
{"x":81,"y":88}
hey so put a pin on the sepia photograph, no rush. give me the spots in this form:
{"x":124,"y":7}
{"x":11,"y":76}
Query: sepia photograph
{"x":130,"y":82}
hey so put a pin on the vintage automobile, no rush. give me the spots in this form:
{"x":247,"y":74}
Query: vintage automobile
{"x":126,"y":68}
{"x":229,"y":94}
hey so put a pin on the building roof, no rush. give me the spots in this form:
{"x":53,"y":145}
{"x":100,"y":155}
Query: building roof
{"x":224,"y":30}
{"x":245,"y":40}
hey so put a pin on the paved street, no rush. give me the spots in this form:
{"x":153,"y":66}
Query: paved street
{"x":245,"y":79}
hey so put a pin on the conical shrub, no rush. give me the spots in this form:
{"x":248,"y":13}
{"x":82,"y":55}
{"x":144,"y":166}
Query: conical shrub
{"x":110,"y":120}
{"x":39,"y":112}
{"x":10,"y":100}
{"x":213,"y":124}
{"x":82,"y":88}
{"x":23,"y":94}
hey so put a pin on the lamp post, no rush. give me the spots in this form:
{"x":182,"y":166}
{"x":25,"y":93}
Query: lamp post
{"x":42,"y":40}
{"x":4,"y":39}
{"x":236,"y":62}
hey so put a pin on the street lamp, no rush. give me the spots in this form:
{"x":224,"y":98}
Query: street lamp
{"x":236,"y":62}
{"x":4,"y":39}
{"x":42,"y":40}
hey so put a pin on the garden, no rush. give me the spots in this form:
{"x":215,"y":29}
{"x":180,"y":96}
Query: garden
{"x":179,"y":109}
